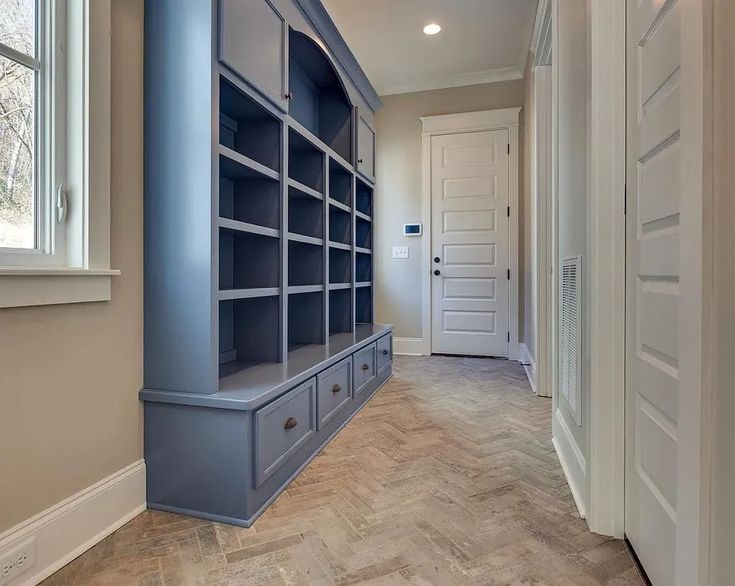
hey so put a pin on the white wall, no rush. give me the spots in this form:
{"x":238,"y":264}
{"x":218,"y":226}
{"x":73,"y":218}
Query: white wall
{"x":398,"y":193}
{"x":723,"y":479}
{"x":571,"y":68}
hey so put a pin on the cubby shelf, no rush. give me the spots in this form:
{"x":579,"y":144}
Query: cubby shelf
{"x":364,"y":305}
{"x":363,"y":235}
{"x":340,"y":184}
{"x":340,"y":311}
{"x":248,"y":293}
{"x":236,"y":226}
{"x":339,"y":205}
{"x":305,"y":319}
{"x":299,"y":190}
{"x":305,"y":162}
{"x":305,"y":261}
{"x":247,"y":260}
{"x":235,"y":166}
{"x":363,"y":198}
{"x":363,"y":267}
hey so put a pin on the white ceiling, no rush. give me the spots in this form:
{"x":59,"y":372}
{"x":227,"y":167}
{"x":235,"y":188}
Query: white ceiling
{"x":481,"y":41}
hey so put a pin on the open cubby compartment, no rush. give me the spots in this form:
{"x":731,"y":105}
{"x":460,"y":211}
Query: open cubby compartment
{"x":340,"y":183}
{"x":363,"y":234}
{"x":340,"y":225}
{"x":363,"y":267}
{"x":305,"y":162}
{"x":248,"y":333}
{"x":364,"y":198}
{"x":340,"y":311}
{"x":248,"y":128}
{"x":305,"y":214}
{"x":254,"y":199}
{"x":248,"y":261}
{"x":340,"y":266}
{"x":364,"y":305}
{"x":305,"y":264}
{"x":319,"y":101}
{"x":305,"y":319}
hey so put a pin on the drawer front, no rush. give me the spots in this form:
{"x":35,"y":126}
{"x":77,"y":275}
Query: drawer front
{"x":364,"y":367}
{"x":282,"y":427}
{"x":385,"y":352}
{"x":334,"y":390}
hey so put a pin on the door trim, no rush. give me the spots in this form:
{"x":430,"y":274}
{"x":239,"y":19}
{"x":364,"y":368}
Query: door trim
{"x":606,"y":243}
{"x":505,"y":119}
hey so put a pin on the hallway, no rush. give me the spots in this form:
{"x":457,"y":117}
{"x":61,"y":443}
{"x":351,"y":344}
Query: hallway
{"x":448,"y":476}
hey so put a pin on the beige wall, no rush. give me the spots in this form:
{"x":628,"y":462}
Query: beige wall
{"x":69,"y":414}
{"x":398,"y":194}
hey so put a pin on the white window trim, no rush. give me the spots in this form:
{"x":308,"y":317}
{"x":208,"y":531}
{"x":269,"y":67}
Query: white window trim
{"x":87,"y":274}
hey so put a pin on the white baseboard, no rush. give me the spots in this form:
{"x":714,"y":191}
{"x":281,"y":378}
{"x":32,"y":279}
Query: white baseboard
{"x":529,"y":365}
{"x":409,"y":346}
{"x":572,"y":461}
{"x":71,"y":527}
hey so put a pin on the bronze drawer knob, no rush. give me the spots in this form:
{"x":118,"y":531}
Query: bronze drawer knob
{"x":365,"y":367}
{"x":336,"y":389}
{"x":290,"y":423}
{"x":385,"y":352}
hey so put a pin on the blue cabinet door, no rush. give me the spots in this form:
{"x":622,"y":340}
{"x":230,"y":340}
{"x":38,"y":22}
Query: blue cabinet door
{"x":252,"y":42}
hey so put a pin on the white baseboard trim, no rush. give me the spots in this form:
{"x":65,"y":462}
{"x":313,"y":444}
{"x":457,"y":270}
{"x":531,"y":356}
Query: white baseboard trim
{"x":529,"y":365}
{"x":71,"y":527}
{"x":409,"y":346}
{"x":572,"y":461}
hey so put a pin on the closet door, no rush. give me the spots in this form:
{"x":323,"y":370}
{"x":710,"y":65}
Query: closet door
{"x":252,"y":42}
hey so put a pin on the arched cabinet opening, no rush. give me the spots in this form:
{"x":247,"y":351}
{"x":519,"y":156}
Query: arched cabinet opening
{"x":318,"y":100}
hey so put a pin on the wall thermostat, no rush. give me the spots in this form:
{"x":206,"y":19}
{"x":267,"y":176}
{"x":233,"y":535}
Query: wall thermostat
{"x":412,"y":229}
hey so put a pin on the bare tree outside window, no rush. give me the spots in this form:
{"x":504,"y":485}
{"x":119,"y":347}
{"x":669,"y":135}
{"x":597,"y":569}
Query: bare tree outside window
{"x":17,"y":124}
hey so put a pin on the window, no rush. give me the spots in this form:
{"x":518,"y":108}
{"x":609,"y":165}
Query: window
{"x":54,"y":151}
{"x":31,"y":170}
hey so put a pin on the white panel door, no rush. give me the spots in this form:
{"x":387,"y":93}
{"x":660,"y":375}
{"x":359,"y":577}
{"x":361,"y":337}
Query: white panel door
{"x":469,"y":258}
{"x":653,"y":267}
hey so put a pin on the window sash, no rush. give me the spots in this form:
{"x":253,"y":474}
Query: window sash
{"x":49,"y":136}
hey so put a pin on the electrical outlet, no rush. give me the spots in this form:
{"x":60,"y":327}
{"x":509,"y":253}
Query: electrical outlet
{"x":17,"y":560}
{"x":400,"y":252}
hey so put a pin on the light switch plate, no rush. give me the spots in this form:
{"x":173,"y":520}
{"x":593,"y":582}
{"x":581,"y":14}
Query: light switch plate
{"x":400,"y":252}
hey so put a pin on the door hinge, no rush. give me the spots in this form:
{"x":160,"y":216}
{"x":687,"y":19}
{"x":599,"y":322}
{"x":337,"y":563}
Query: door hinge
{"x":509,"y":274}
{"x":508,"y":336}
{"x":508,"y":211}
{"x":508,"y":148}
{"x":625,"y":199}
{"x":62,"y":205}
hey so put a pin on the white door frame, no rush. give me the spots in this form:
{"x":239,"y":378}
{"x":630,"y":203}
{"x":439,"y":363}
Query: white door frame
{"x":607,"y":277}
{"x":505,"y":119}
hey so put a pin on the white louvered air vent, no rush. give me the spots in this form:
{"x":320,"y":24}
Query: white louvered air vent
{"x":570,"y":334}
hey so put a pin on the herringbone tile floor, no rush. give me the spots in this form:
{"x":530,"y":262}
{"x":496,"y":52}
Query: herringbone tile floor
{"x":447,"y":476}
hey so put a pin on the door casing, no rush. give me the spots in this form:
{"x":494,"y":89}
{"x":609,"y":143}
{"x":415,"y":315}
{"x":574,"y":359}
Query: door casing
{"x":505,"y":119}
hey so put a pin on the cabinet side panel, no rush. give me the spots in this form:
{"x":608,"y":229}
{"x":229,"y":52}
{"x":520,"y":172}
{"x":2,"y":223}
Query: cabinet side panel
{"x":180,"y":343}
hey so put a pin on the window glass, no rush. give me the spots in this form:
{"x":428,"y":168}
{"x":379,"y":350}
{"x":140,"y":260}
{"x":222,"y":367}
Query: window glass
{"x":18,"y":25}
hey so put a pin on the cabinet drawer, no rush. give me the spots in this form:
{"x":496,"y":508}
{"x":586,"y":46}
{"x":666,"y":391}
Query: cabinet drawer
{"x":385,"y":352}
{"x":334,"y":390}
{"x":282,"y":427}
{"x":364,"y":367}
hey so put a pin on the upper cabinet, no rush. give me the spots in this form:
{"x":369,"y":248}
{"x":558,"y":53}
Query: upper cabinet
{"x":252,"y":42}
{"x":318,"y":100}
{"x":365,"y":149}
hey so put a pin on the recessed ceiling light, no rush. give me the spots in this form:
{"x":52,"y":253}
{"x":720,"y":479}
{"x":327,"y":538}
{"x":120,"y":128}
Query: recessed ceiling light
{"x":432,"y":29}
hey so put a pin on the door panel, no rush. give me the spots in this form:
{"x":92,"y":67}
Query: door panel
{"x":470,"y":227}
{"x":653,"y":267}
{"x":365,"y":149}
{"x":251,"y":28}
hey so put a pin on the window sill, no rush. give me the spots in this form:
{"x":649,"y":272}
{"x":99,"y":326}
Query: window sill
{"x":24,"y":287}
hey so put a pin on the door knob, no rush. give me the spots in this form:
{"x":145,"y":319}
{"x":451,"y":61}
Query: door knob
{"x":437,"y":272}
{"x":437,"y":259}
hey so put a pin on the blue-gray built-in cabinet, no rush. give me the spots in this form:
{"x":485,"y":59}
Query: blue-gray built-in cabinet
{"x":259,"y":173}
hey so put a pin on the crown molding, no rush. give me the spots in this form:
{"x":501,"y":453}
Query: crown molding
{"x":451,"y":81}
